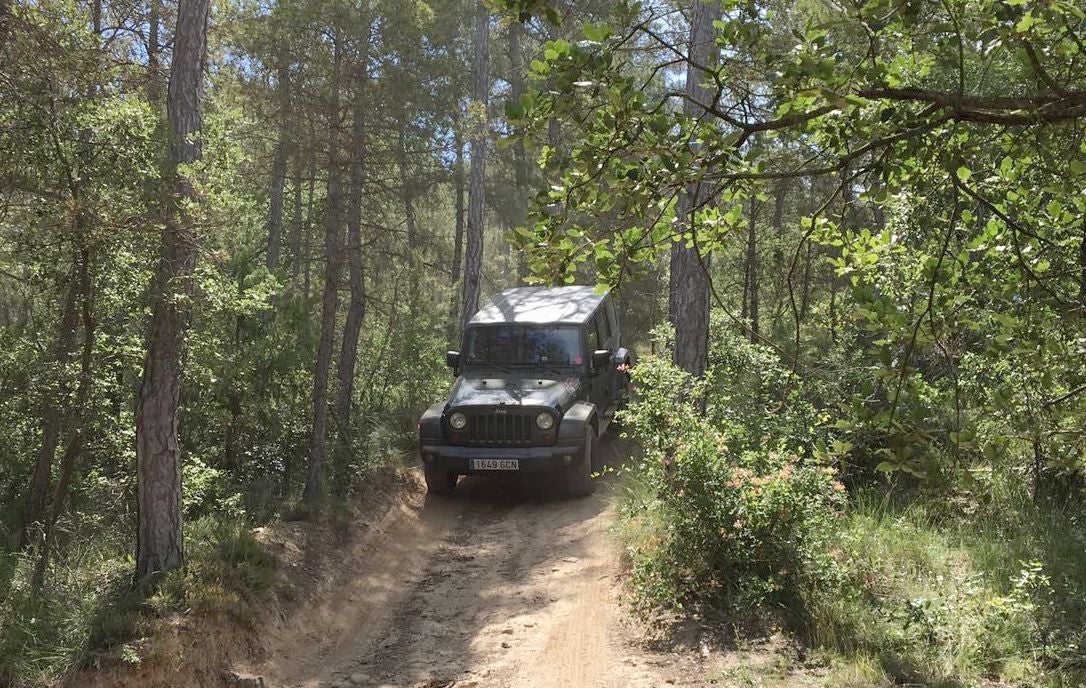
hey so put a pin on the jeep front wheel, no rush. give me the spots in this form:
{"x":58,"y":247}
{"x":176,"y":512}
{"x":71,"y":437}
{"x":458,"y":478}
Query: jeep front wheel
{"x":438,"y":480}
{"x":579,"y":481}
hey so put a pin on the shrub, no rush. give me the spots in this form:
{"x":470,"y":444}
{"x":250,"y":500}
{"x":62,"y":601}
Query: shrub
{"x":738,"y":531}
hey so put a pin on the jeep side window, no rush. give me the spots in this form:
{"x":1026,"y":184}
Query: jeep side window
{"x":612,"y":319}
{"x":605,"y":327}
{"x":594,"y":334}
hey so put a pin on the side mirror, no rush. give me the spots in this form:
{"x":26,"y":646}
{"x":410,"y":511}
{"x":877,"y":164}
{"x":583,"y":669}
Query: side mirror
{"x":600,"y":359}
{"x":452,"y":359}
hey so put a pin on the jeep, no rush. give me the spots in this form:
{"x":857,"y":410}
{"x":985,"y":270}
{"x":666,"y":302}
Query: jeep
{"x":540,"y":373}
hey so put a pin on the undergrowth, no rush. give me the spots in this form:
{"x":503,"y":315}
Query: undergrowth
{"x":737,"y":512}
{"x":88,"y":604}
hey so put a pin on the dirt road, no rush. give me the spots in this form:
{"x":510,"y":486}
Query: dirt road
{"x":504,"y":584}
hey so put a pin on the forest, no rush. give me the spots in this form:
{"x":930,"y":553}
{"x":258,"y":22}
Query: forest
{"x":847,"y":240}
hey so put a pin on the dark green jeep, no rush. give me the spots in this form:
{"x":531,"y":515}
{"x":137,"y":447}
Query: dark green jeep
{"x":540,"y":375}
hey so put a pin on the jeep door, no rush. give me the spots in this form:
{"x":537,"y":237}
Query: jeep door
{"x":602,"y":380}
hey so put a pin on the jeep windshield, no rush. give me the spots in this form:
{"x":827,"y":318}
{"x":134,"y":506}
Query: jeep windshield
{"x":522,"y":345}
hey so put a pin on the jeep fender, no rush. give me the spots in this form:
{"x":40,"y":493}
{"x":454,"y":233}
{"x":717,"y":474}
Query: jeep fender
{"x":623,"y":355}
{"x":430,"y":423}
{"x":580,"y":417}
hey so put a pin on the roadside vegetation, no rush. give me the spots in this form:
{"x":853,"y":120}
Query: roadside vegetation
{"x":751,"y":508}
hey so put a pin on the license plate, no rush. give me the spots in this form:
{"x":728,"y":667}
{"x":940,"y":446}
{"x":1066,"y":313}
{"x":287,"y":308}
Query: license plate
{"x":495,"y":464}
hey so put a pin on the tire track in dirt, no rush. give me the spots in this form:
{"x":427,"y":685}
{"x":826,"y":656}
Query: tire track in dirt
{"x":506,"y":583}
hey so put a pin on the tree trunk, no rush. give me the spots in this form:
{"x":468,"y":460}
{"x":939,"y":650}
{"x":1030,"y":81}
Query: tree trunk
{"x":805,"y":298}
{"x":1082,"y":271}
{"x":5,"y":23}
{"x":232,"y":444}
{"x":158,"y":455}
{"x":554,"y":127}
{"x":356,"y":311}
{"x":51,"y":414}
{"x":407,"y":188}
{"x":415,"y":251}
{"x":314,"y":485}
{"x":688,"y":302}
{"x":77,"y":440}
{"x":520,"y":156}
{"x":279,"y":170}
{"x":752,"y":271}
{"x":78,"y":292}
{"x":154,"y":76}
{"x":295,"y":239}
{"x":781,"y":190}
{"x":473,"y":265}
{"x":458,"y":236}
{"x":307,"y":232}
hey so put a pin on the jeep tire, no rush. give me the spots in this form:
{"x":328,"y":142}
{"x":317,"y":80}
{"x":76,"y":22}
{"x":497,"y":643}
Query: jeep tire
{"x":579,"y":482}
{"x":438,"y":480}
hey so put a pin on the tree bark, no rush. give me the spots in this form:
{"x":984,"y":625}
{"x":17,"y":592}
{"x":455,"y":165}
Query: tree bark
{"x":356,"y":310}
{"x":154,"y":76}
{"x":781,"y":190}
{"x":473,"y":265}
{"x":1082,"y":271}
{"x":318,"y":442}
{"x":520,"y":156}
{"x":805,"y":297}
{"x":51,"y":413}
{"x":279,"y":170}
{"x":752,"y":271}
{"x":415,"y":251}
{"x":77,"y":440}
{"x":158,"y":455}
{"x":407,"y":189}
{"x":307,"y":232}
{"x":5,"y":23}
{"x":554,"y":127}
{"x":295,"y":239}
{"x":688,"y":302}
{"x":458,"y":236}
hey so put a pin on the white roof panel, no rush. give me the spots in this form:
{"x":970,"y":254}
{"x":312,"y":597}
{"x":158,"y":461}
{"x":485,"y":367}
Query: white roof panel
{"x":540,"y":305}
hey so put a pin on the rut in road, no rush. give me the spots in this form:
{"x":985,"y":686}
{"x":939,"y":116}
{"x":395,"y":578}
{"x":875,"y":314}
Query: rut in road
{"x":504,"y":584}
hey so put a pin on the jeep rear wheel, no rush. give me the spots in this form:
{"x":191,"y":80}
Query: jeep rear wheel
{"x":438,"y":480}
{"x":579,"y":481}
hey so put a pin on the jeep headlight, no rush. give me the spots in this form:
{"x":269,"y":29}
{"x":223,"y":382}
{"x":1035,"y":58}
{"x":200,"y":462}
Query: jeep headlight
{"x":545,"y":421}
{"x":457,"y":421}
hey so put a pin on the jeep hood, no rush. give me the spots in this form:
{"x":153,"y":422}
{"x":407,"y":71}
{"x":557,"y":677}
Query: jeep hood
{"x":473,"y":390}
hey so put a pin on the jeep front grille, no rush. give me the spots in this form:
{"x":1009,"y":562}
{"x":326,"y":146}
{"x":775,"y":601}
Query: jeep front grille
{"x":509,"y":427}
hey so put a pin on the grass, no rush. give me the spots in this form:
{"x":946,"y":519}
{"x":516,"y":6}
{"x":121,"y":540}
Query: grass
{"x":858,"y":671}
{"x":89,"y":605}
{"x":929,"y":596}
{"x":957,"y":600}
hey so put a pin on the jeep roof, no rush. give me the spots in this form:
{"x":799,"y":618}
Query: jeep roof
{"x":541,"y":305}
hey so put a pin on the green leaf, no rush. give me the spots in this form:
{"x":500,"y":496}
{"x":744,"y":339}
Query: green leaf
{"x":964,"y":174}
{"x":513,"y":110}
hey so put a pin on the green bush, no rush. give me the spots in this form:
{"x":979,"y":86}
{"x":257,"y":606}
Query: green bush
{"x":738,"y":531}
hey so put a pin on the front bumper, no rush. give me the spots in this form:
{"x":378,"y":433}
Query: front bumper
{"x":532,"y":459}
